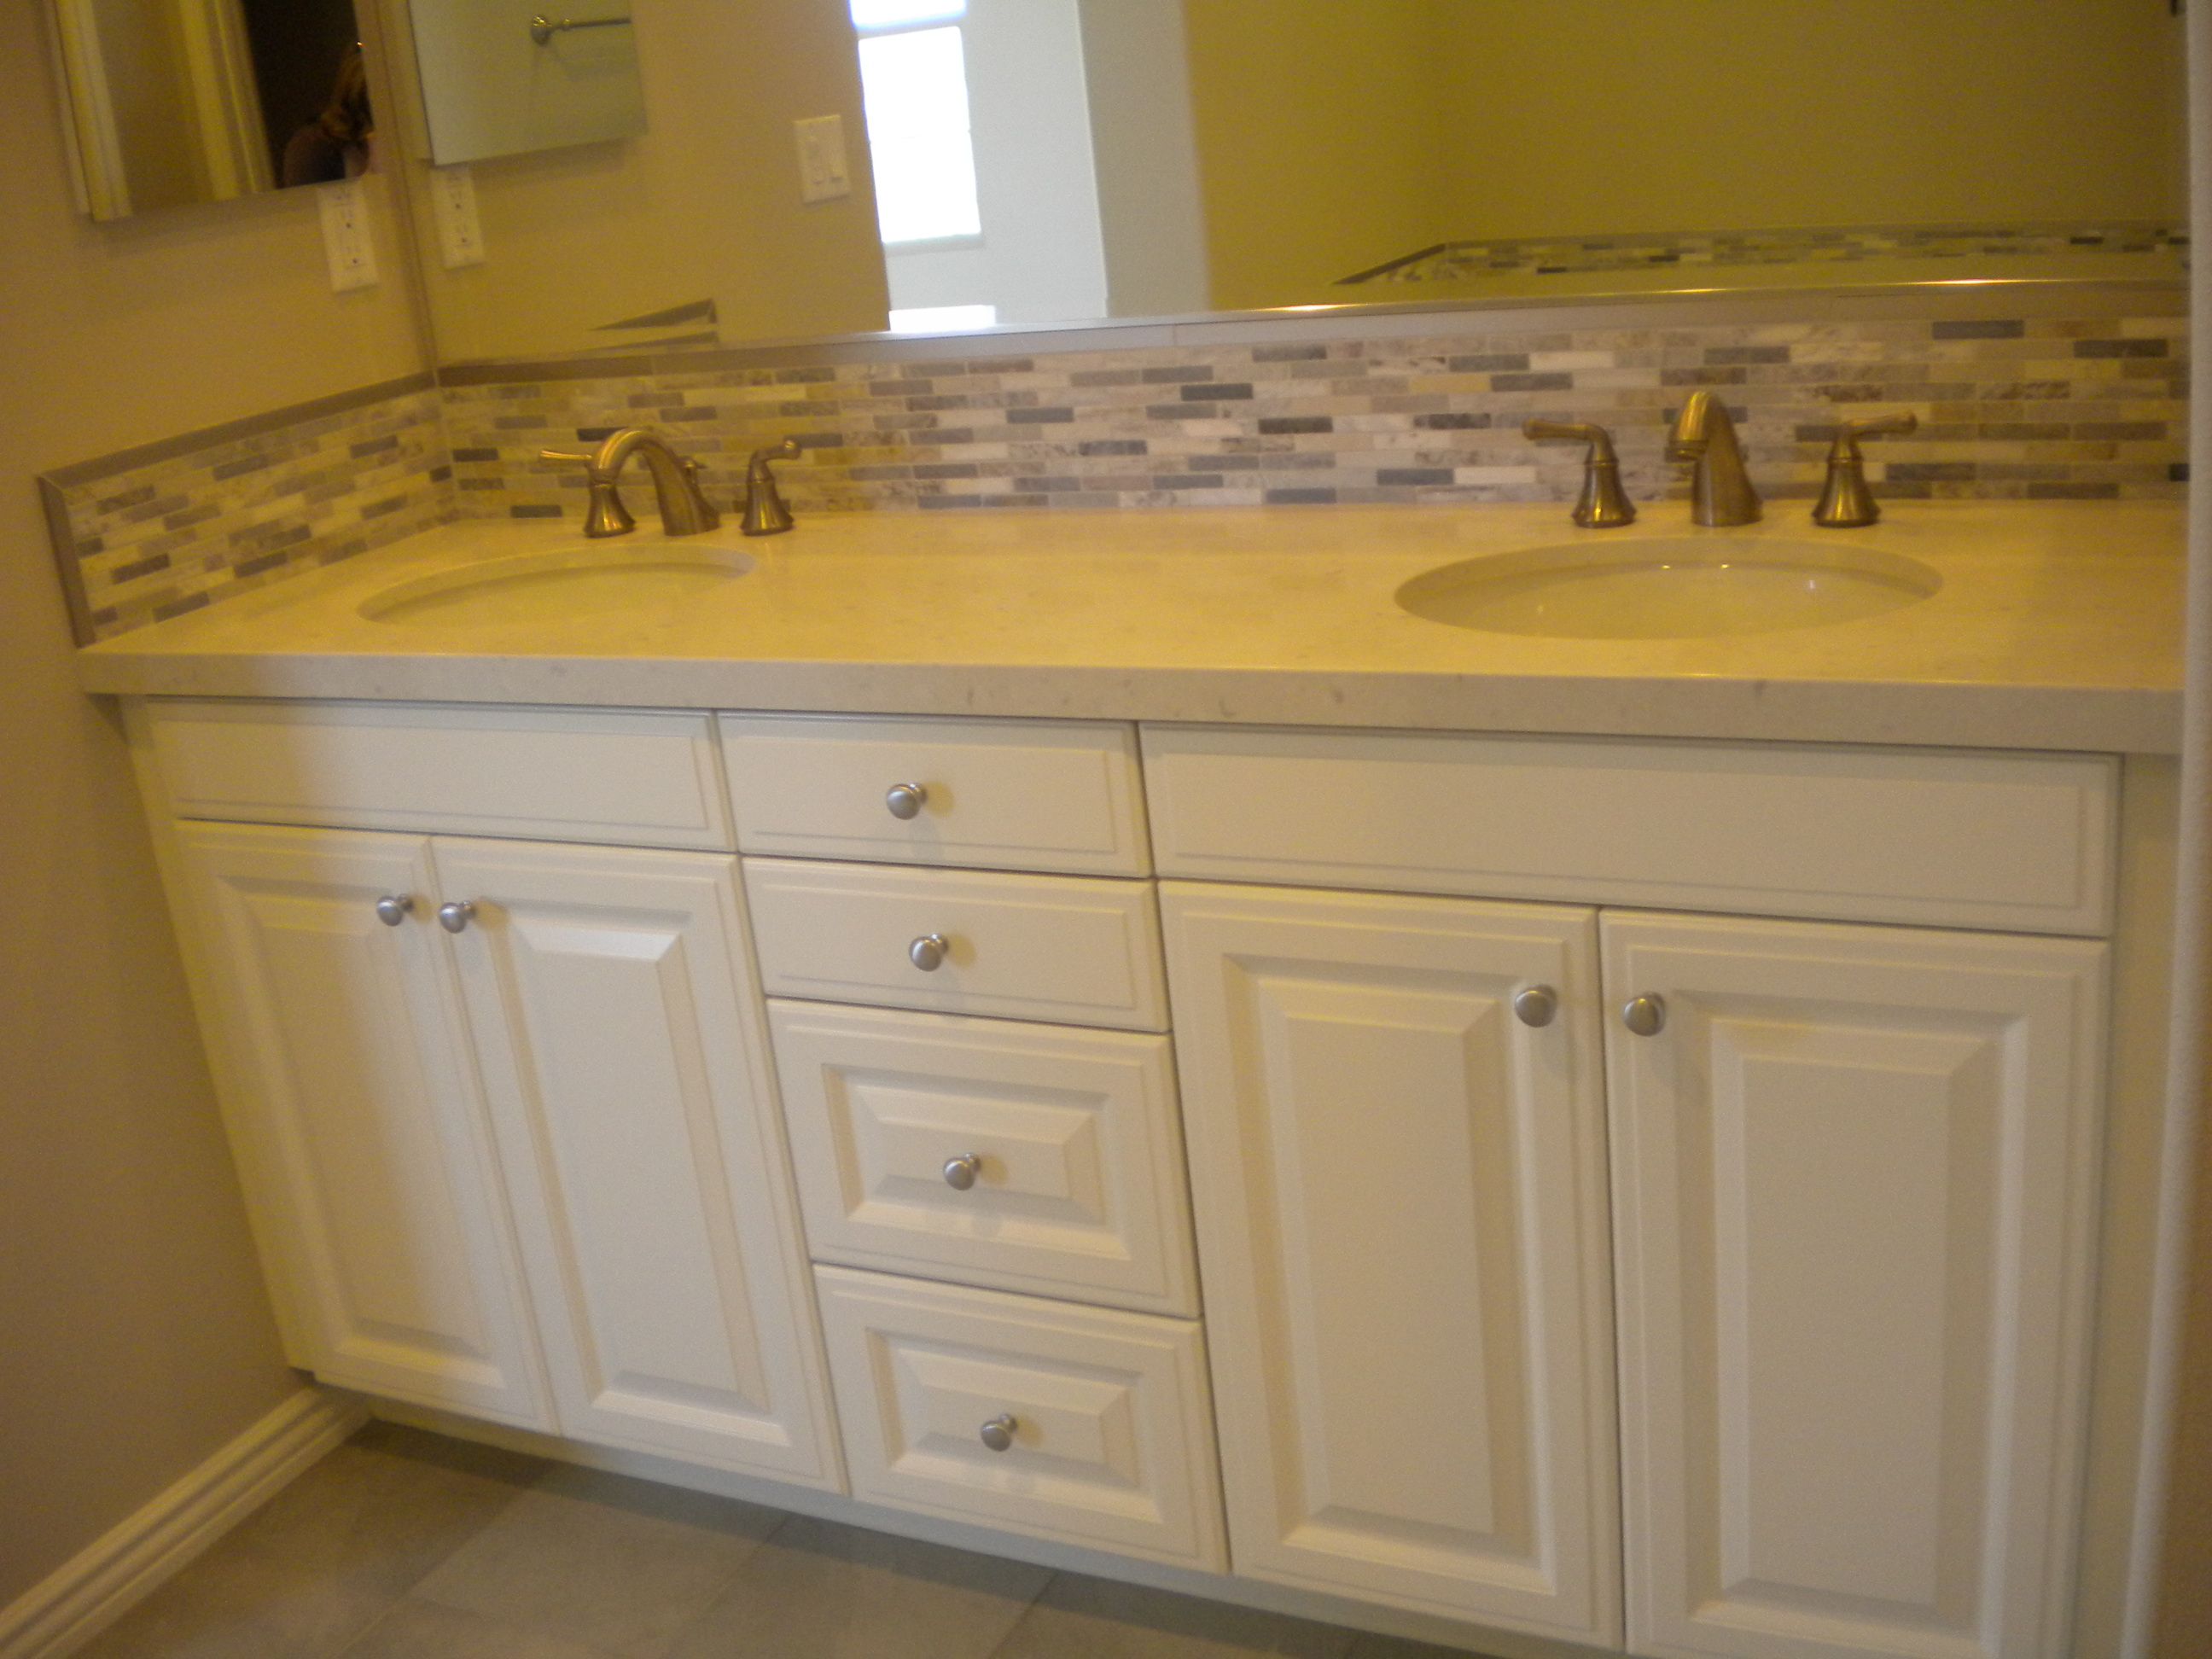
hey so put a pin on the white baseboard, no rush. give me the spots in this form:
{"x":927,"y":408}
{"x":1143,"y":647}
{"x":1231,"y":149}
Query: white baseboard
{"x":87,"y":1594}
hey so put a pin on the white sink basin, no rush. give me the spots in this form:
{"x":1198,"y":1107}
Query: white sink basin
{"x":1657,"y":587}
{"x":582,"y":578}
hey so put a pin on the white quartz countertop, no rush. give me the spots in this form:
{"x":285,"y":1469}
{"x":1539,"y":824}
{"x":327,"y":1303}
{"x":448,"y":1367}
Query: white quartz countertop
{"x":2058,"y":627}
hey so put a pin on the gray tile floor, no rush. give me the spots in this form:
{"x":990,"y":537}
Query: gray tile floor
{"x":408,"y":1546}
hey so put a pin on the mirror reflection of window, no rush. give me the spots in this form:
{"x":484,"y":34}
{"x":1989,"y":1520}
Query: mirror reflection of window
{"x":914,"y":84}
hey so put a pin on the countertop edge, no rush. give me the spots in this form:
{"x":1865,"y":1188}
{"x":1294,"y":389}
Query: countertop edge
{"x":2103,"y":720}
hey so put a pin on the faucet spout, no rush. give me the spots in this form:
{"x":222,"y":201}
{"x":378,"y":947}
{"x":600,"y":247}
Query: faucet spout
{"x":1704,"y":435}
{"x":685,"y":509}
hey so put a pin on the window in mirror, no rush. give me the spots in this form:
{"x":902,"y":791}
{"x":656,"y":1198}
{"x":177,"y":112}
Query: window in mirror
{"x":914,"y":85}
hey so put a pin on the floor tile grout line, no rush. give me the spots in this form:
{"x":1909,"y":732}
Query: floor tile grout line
{"x":1053,"y":1576}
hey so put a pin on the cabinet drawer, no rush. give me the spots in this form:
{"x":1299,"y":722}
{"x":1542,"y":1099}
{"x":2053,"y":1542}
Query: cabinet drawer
{"x":1061,"y":948}
{"x":1951,"y":837}
{"x":649,"y":779}
{"x":1109,"y":1442}
{"x":1076,"y":1189}
{"x":1005,"y":794}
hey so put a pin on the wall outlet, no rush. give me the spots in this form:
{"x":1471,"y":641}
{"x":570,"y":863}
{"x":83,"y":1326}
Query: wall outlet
{"x":824,"y":173}
{"x":453,"y":205}
{"x":346,"y":240}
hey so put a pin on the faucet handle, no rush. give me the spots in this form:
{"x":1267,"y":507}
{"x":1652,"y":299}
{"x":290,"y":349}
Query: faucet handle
{"x":1604,"y":505}
{"x":1845,"y":501}
{"x":765,"y":513}
{"x":605,"y":515}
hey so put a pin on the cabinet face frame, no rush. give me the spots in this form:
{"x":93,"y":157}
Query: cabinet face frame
{"x":1961,"y":1076}
{"x":320,"y":1106}
{"x":697,"y":1340}
{"x":1317,"y":1237}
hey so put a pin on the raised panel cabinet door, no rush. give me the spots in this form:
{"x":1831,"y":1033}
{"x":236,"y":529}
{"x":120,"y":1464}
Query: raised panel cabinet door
{"x":619,"y":1027}
{"x":365,"y":1147}
{"x":1854,"y":1175}
{"x":1399,"y":1181}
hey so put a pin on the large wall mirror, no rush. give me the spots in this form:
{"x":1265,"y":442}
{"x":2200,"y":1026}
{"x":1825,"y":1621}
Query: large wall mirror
{"x":1034,"y":162}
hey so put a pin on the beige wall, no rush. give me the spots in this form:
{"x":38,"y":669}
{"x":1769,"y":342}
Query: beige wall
{"x":704,"y":205}
{"x":135,"y":1337}
{"x":1324,"y":153}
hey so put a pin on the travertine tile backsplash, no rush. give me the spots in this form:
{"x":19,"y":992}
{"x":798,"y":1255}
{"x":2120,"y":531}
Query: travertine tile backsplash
{"x":158,"y":532}
{"x":2075,"y":406}
{"x":2040,"y":407}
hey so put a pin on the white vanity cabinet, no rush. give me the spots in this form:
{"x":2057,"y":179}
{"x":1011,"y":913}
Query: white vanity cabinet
{"x":1853,"y":1202}
{"x":1400,"y":1184}
{"x":506,"y":1106}
{"x":1852,"y":1169}
{"x":1634,"y":1194}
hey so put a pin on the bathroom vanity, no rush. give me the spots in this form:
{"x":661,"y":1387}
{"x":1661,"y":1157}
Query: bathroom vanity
{"x":1106,"y":1030}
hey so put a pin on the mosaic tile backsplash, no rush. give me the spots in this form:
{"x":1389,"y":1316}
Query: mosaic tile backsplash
{"x":2069,"y":407}
{"x":1832,"y":245}
{"x":2036,"y":408}
{"x":176,"y":526}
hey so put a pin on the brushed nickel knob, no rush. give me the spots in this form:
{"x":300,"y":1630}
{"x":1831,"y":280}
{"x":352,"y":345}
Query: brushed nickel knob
{"x":927,"y":952}
{"x":456,"y":916}
{"x":1645,"y":1016}
{"x":905,"y":799}
{"x":960,"y":1172}
{"x":998,"y":1432}
{"x":394,"y":907}
{"x":1538,"y":1005}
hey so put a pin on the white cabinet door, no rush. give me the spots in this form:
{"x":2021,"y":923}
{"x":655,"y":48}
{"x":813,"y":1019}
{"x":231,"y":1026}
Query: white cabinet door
{"x":1400,"y":1196}
{"x":366,"y":1155}
{"x":1853,"y":1178}
{"x":619,"y":1028}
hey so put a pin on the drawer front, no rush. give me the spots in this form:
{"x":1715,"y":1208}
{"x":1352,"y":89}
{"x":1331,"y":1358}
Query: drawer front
{"x":1027,"y":1157}
{"x":1949,"y":838}
{"x":1004,"y":794}
{"x":1104,"y":1416}
{"x":1058,"y":948}
{"x":647,"y":780}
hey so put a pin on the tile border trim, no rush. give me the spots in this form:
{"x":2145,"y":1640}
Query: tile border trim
{"x":2005,"y":297}
{"x":78,"y":473}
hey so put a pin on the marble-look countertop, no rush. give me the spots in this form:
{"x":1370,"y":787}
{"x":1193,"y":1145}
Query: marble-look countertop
{"x":2058,"y":626}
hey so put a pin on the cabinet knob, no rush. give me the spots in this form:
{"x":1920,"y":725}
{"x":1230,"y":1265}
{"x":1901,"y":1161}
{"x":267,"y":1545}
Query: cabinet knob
{"x":1645,"y":1016}
{"x":927,"y":952}
{"x":1538,"y":1005}
{"x":960,"y":1172}
{"x":905,"y":799}
{"x":394,"y":907}
{"x":456,"y":916}
{"x":998,"y":1433}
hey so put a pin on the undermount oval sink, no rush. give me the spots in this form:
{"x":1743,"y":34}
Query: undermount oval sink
{"x":1657,"y":588}
{"x":589,"y":579}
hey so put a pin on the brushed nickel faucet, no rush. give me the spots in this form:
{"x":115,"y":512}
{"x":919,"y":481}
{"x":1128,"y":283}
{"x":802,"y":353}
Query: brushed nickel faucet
{"x":1845,"y":501}
{"x":1604,"y":504}
{"x":1720,"y":489}
{"x":685,"y":509}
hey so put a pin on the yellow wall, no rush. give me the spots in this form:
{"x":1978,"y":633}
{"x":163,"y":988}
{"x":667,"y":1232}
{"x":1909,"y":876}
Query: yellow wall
{"x":705,"y":204}
{"x":1321,"y":147}
{"x":135,"y":1336}
{"x":1324,"y":152}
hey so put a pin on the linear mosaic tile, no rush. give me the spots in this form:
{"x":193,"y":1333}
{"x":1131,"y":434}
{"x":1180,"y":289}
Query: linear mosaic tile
{"x":2084,"y":407}
{"x":174,"y":526}
{"x":1412,"y":409}
{"x":1831,"y":244}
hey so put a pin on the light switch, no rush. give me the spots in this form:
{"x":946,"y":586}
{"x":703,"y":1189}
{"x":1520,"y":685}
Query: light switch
{"x":823,"y":175}
{"x":453,"y":205}
{"x":346,"y":240}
